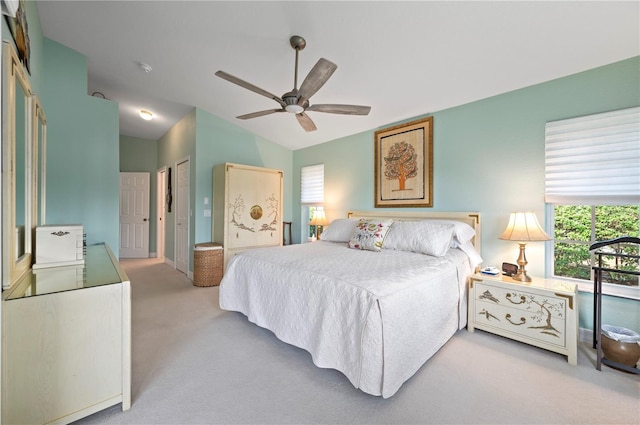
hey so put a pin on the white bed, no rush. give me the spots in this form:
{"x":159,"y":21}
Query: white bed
{"x":375,"y":316}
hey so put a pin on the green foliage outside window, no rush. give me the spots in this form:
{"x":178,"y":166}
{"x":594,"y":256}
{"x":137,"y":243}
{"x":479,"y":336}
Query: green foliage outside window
{"x":312,"y":229}
{"x":578,"y":226}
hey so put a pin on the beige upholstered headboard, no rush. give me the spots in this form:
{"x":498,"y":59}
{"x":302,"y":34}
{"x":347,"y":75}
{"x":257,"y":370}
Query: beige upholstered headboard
{"x":471,"y":218}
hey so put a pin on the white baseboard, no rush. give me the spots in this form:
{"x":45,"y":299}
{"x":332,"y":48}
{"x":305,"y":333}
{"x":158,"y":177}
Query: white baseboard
{"x":153,"y":255}
{"x":585,"y":335}
{"x":169,"y":262}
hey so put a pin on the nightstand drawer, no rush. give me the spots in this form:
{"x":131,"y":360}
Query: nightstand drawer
{"x":522,"y":300}
{"x":533,"y":317}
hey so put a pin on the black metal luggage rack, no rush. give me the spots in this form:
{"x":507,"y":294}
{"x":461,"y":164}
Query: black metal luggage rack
{"x":597,"y":294}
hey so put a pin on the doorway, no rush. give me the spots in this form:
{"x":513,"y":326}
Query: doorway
{"x":134,"y":215}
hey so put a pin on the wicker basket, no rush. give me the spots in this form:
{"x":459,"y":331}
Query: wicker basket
{"x":207,"y":264}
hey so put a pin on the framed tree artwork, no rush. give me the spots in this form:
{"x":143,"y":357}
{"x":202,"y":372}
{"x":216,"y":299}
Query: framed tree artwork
{"x":404,"y":165}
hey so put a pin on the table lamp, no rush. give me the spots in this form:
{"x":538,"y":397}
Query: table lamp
{"x":319,"y":220}
{"x":523,"y":227}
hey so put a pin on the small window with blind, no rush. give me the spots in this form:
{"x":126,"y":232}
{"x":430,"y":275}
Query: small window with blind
{"x":311,"y":195}
{"x":592,"y":187}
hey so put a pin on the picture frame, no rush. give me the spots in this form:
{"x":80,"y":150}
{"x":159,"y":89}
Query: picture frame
{"x":403,"y":166}
{"x":19,"y":29}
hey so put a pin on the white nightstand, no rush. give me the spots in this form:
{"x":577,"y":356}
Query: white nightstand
{"x":543,"y":312}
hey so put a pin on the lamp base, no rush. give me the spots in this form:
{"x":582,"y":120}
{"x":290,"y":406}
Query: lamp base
{"x":521,"y":276}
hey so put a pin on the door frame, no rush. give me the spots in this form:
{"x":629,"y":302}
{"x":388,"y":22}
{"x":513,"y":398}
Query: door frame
{"x":161,"y":188}
{"x":175,"y":221}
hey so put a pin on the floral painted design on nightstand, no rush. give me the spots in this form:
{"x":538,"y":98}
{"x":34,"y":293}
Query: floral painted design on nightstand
{"x":488,"y":315}
{"x":543,"y":310}
{"x":487,"y":295}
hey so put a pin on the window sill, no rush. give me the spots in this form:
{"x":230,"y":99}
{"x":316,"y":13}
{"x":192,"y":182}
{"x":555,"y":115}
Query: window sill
{"x":629,"y":292}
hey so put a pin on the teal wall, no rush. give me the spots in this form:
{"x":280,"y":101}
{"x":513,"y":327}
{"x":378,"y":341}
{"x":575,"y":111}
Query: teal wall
{"x":488,"y":157}
{"x":82,"y":138}
{"x":141,"y":156}
{"x":175,"y":145}
{"x":82,"y":149}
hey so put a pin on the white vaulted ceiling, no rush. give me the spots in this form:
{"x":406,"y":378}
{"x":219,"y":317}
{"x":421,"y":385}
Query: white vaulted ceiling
{"x":404,"y":59}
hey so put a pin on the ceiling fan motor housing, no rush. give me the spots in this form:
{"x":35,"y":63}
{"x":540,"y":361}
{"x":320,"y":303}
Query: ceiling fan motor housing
{"x":291,"y":100}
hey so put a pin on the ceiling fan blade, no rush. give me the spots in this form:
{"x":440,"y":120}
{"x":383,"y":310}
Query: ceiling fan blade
{"x":259,"y":114}
{"x":319,"y":74}
{"x":249,"y":86}
{"x":306,"y":122}
{"x":341,"y":109}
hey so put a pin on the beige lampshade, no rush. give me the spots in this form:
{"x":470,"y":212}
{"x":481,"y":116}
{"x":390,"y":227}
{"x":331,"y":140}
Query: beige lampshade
{"x":319,"y":218}
{"x":524,"y":226}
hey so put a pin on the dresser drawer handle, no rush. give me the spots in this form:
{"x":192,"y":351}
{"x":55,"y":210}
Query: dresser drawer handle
{"x":522,"y":320}
{"x":522,"y":299}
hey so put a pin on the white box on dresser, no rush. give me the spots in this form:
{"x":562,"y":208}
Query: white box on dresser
{"x":543,"y":313}
{"x":59,"y":245}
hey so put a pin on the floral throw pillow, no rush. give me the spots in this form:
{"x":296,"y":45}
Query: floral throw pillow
{"x":369,"y":234}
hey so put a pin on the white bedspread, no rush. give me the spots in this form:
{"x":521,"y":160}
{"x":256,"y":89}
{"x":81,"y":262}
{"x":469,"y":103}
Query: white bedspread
{"x":374,"y":316}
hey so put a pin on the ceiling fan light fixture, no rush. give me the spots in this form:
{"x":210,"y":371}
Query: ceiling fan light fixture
{"x":294,"y":109}
{"x":146,"y":115}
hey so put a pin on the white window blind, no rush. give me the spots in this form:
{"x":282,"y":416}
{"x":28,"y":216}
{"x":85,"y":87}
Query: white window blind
{"x":594,"y":159}
{"x":312,"y":184}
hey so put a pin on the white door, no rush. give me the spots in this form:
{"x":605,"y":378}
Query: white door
{"x":182,"y":216}
{"x":160,"y":207}
{"x":134,"y":215}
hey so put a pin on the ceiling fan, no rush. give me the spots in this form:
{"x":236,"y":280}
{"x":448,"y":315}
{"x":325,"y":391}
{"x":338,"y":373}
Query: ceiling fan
{"x":297,"y":100}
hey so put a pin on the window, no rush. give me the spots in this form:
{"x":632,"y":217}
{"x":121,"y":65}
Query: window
{"x":578,"y":226}
{"x":592,"y":186}
{"x":312,"y":185}
{"x":311,"y":195}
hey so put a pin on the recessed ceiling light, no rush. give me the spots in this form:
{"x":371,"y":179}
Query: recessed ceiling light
{"x":146,"y":115}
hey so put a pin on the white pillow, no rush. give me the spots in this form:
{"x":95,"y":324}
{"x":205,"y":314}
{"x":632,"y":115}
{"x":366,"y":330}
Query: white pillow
{"x":340,"y":230}
{"x":472,"y":253}
{"x":420,"y":236}
{"x":369,"y":234}
{"x":462,"y":232}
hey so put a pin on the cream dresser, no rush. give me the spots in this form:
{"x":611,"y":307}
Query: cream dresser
{"x":247,"y":208}
{"x":543,"y":312}
{"x":66,"y":349}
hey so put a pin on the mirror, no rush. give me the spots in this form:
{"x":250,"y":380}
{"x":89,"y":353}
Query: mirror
{"x":18,"y":155}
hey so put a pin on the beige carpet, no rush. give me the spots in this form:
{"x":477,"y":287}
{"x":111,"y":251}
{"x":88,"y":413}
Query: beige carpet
{"x":196,"y":364}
